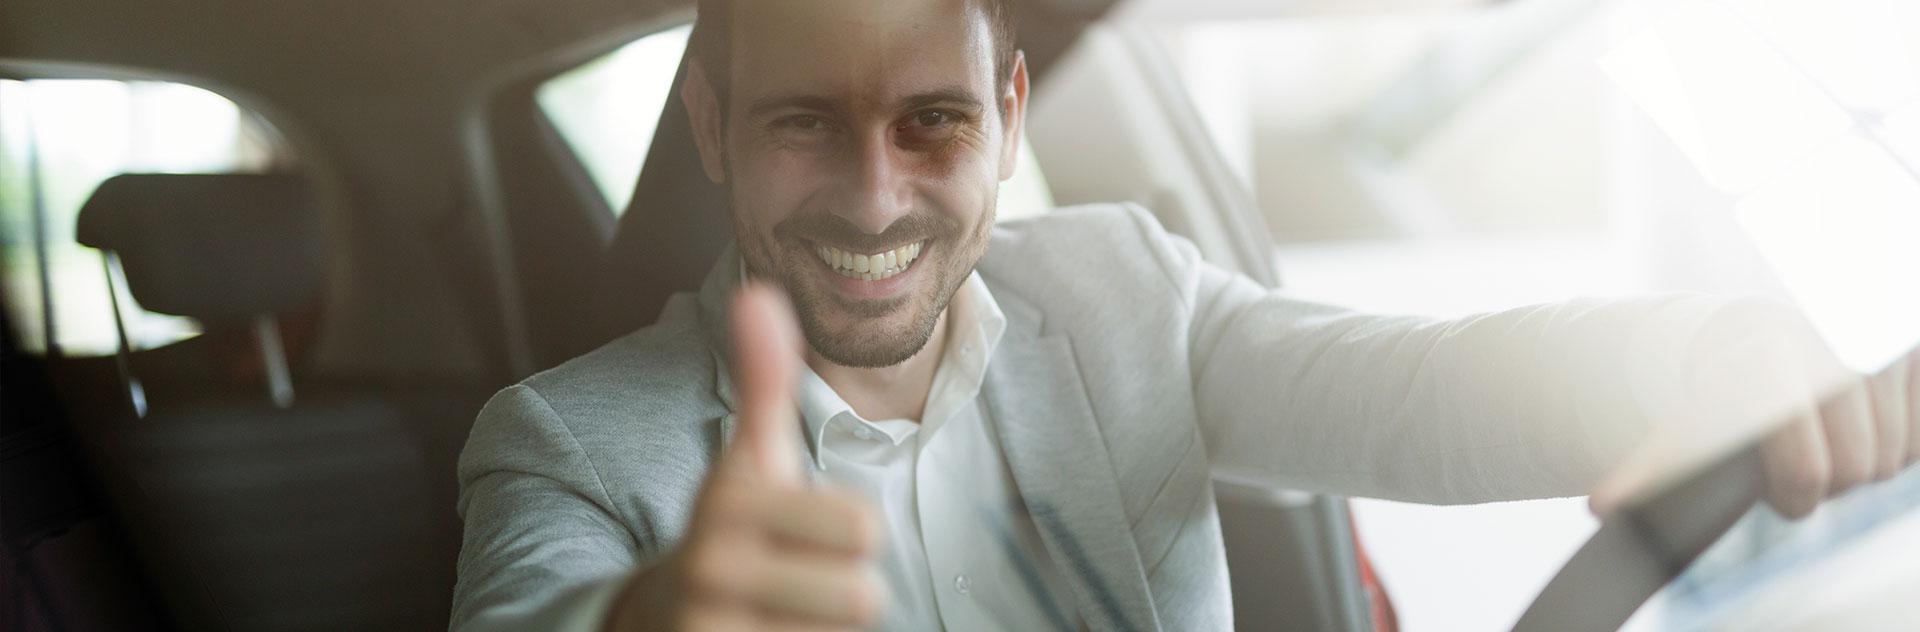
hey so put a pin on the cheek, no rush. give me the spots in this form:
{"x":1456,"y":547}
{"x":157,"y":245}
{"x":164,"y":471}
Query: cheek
{"x":969,"y":153}
{"x":962,"y":178}
{"x":768,"y":190}
{"x":964,"y":204}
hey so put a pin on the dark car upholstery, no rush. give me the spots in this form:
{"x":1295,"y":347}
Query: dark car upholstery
{"x":329,"y":511}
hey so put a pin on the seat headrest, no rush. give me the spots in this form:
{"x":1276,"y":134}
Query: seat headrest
{"x":221,"y":248}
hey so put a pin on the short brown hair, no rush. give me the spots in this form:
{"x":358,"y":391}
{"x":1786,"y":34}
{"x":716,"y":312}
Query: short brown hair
{"x":712,"y":42}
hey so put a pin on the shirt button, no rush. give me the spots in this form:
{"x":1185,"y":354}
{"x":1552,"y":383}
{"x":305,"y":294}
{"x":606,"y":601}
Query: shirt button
{"x":864,"y":433}
{"x":962,"y":584}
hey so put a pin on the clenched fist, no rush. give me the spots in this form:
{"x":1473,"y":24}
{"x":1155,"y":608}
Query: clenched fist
{"x":764,"y":551}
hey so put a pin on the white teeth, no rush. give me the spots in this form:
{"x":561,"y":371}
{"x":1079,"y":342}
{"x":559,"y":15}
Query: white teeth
{"x":869,"y":267}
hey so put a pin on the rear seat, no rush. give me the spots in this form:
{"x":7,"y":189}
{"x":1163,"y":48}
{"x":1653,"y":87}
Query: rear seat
{"x":259,"y":496}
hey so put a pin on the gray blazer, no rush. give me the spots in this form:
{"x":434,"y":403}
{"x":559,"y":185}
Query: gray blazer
{"x":1131,"y":371}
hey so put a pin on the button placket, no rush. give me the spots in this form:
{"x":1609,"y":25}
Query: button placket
{"x":945,"y":561}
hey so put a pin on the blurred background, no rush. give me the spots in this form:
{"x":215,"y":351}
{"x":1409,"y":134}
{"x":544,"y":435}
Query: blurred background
{"x":1438,"y":158}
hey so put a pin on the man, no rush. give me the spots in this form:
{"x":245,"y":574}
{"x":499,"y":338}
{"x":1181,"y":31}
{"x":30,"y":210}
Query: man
{"x":1024,"y":438}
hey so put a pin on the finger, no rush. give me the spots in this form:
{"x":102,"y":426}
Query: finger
{"x":720,"y":620}
{"x":819,"y":589}
{"x":1913,"y":407}
{"x":1620,"y":487}
{"x":829,"y":522}
{"x":765,"y":352}
{"x":1891,"y":419}
{"x":1796,"y":466}
{"x":788,"y":624}
{"x":1847,"y":418}
{"x":1602,"y":503}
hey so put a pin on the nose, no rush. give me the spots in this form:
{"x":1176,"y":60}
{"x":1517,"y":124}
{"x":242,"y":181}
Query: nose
{"x":876,"y":190}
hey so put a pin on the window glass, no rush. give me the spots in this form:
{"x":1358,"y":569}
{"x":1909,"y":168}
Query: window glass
{"x":59,"y":139}
{"x":1455,"y":160}
{"x":607,"y":109}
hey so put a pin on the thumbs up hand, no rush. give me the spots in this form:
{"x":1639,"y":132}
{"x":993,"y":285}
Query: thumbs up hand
{"x":765,"y":347}
{"x":764,"y":551}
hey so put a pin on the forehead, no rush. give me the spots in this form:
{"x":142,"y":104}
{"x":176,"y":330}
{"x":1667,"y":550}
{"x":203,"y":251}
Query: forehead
{"x":859,"y":50}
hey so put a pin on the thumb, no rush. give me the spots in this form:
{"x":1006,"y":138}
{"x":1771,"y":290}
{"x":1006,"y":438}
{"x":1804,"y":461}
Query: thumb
{"x":766,"y":345}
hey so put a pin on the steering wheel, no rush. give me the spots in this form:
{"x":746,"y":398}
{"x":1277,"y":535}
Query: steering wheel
{"x":1643,"y":547}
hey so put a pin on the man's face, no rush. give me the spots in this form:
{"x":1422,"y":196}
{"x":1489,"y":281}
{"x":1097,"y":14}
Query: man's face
{"x":862,"y":148}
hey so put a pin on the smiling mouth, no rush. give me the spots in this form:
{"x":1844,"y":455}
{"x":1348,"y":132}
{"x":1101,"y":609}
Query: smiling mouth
{"x":869,"y":267}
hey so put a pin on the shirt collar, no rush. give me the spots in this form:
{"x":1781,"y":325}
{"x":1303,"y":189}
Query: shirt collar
{"x":973,"y":318}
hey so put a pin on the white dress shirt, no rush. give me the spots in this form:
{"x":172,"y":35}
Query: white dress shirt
{"x":961,"y":553}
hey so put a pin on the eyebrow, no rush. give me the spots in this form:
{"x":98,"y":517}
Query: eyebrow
{"x":763,"y":105}
{"x":955,"y":96}
{"x":952,"y":95}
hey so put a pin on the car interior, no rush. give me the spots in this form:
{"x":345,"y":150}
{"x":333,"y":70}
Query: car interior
{"x":419,"y":233}
{"x":428,"y":239}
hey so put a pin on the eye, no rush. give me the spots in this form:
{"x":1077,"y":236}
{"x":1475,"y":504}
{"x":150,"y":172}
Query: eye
{"x":930,"y":126}
{"x":803,"y":131}
{"x":804,"y":123}
{"x":932,"y":118}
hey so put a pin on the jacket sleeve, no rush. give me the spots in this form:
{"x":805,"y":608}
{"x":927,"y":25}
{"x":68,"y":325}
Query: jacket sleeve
{"x":541,"y":548}
{"x":1525,"y":403}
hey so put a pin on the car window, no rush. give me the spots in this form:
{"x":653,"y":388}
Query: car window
{"x":59,"y":139}
{"x":607,"y":110}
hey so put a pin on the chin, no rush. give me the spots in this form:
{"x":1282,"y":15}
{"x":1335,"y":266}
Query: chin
{"x":852,"y":337}
{"x":869,"y":322}
{"x":868,"y":333}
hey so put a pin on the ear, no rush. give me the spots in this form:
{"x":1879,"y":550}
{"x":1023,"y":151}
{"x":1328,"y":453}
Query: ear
{"x":1014,"y":102}
{"x":703,"y":112}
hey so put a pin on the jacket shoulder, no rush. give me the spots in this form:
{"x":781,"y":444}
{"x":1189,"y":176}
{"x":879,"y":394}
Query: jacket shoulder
{"x":659,"y":375}
{"x":1090,"y":255}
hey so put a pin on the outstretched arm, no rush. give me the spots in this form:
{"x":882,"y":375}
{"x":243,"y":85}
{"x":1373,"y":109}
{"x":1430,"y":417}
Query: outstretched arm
{"x":1532,"y":402}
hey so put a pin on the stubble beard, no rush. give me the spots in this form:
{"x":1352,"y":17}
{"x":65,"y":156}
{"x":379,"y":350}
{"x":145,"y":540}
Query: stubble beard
{"x":876,"y":333}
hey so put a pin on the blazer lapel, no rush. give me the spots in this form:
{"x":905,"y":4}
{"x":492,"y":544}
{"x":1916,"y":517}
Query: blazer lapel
{"x":1054,"y":447}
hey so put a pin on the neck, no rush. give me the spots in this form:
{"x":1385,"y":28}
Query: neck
{"x":888,"y":392}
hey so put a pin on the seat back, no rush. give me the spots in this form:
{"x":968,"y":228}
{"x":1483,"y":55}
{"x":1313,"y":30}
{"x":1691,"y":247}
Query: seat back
{"x":250,"y":510}
{"x":63,"y":556}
